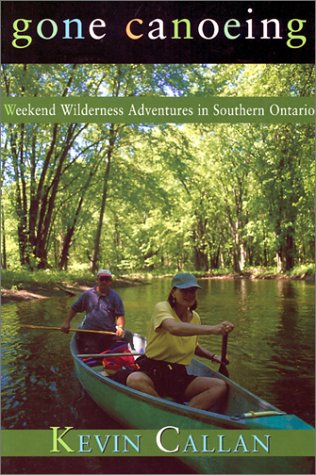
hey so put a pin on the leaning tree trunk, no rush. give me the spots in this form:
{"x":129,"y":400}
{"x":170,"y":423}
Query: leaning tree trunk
{"x":67,"y":241}
{"x":95,"y":260}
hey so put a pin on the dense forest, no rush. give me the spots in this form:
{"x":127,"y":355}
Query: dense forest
{"x":153,"y":197}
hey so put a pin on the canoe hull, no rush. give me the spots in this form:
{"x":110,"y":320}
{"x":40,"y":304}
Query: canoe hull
{"x":154,"y":413}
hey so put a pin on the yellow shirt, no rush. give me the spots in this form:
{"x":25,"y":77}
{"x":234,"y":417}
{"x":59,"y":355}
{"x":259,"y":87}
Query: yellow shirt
{"x":162,"y":345}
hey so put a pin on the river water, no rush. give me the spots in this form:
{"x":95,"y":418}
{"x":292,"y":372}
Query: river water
{"x":271,"y":353}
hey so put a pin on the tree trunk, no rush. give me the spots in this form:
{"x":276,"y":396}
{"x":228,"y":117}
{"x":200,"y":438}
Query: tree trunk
{"x":4,"y":246}
{"x":95,"y":260}
{"x":236,"y":261}
{"x":48,"y":203}
{"x":39,"y":198}
{"x":236,"y":249}
{"x":200,"y":259}
{"x":200,"y":247}
{"x":289,"y":251}
{"x":286,"y":253}
{"x":64,"y":255}
{"x":214,"y":259}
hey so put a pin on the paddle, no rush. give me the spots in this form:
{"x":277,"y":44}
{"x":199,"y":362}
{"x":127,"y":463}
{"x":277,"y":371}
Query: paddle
{"x":224,"y":361}
{"x":77,"y":330}
{"x":128,"y":335}
{"x":103,"y":355}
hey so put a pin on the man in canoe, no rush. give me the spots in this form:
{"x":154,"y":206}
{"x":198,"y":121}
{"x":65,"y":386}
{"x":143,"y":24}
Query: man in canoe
{"x":171,"y":344}
{"x":104,"y":311}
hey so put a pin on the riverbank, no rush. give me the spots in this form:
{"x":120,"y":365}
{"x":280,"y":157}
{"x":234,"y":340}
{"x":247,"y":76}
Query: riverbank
{"x":38,"y":291}
{"x":22,"y":285}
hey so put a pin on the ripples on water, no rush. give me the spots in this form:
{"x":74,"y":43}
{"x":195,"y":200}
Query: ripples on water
{"x":271,"y":353}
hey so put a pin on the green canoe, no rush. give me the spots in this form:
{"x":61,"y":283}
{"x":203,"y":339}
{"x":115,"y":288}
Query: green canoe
{"x":136,"y":410}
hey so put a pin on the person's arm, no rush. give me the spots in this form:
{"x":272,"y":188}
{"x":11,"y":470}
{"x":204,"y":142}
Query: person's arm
{"x":79,"y":306}
{"x":190,"y":329}
{"x":119,"y":316}
{"x":204,"y":353}
{"x":66,"y":325}
{"x":120,"y":322}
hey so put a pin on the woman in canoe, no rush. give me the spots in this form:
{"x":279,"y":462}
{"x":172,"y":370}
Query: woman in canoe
{"x":172,"y":343}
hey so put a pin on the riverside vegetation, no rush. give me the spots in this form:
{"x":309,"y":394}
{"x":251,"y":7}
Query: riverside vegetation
{"x":155,"y":198}
{"x":24,"y":285}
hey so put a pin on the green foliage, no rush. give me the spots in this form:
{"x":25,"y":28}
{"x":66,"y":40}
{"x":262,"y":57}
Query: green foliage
{"x":206,"y":197}
{"x":17,"y":279}
{"x":303,"y":270}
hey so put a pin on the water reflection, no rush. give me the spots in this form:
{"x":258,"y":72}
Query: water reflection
{"x":271,"y":353}
{"x":293,"y":359}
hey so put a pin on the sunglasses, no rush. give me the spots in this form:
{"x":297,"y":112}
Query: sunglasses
{"x":104,"y":278}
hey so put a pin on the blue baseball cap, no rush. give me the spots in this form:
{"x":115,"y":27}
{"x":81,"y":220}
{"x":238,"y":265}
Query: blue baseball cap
{"x":185,"y":281}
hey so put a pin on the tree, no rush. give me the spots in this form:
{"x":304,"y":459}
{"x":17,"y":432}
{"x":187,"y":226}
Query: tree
{"x":198,"y":196}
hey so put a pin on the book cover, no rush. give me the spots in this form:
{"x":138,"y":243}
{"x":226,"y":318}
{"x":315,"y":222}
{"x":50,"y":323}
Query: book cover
{"x":153,"y":137}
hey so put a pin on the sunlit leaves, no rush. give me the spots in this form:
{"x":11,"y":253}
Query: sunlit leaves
{"x":200,"y":196}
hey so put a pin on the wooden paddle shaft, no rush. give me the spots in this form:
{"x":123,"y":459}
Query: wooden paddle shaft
{"x":77,"y":330}
{"x":223,"y":369}
{"x":224,"y":349}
